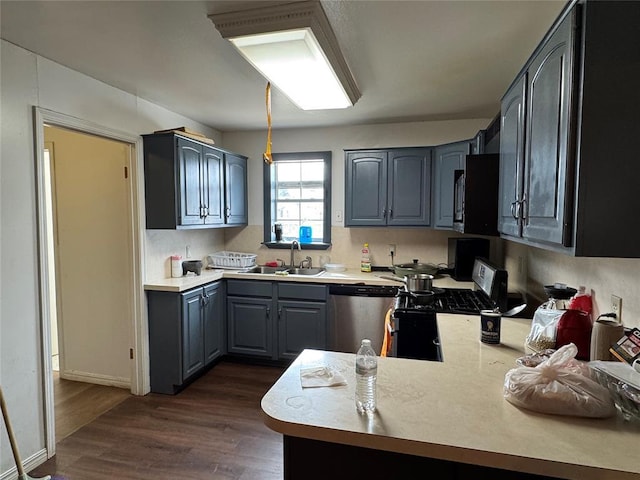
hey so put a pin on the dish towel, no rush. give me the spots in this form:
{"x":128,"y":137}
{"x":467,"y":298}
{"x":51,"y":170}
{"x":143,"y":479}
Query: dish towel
{"x":386,"y":342}
{"x":320,"y":376}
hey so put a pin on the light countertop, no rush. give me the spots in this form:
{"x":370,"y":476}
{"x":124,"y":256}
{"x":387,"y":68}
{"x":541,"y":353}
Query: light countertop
{"x":454,"y":410}
{"x":350,"y":276}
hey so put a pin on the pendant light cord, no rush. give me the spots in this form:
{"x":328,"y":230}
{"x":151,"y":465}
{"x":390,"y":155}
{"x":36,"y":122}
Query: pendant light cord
{"x":268,"y":158}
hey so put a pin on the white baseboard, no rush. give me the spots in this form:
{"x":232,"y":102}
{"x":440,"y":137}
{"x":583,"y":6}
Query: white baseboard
{"x":30,"y":463}
{"x":87,"y":377}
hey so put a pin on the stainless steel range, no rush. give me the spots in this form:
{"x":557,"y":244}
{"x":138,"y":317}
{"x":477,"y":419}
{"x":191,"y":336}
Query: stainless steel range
{"x":415,"y":327}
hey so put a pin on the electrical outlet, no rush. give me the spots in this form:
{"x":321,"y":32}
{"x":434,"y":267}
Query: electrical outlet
{"x":187,"y":251}
{"x":616,"y":307}
{"x":392,"y":250}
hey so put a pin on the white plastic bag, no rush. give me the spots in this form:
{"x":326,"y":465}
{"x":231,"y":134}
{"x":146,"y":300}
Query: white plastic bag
{"x":557,"y":387}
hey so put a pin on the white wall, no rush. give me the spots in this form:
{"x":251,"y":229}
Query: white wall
{"x":602,"y":277}
{"x":28,"y":80}
{"x":428,"y":245}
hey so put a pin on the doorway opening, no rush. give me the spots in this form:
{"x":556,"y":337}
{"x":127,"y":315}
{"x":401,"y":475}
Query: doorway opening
{"x":91,"y":269}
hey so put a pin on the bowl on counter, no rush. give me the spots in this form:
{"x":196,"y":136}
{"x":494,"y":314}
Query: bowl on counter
{"x":623,"y":382}
{"x":335,"y":267}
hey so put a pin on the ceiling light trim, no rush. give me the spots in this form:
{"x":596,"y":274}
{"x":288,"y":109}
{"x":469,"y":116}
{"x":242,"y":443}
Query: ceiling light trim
{"x":289,"y":16}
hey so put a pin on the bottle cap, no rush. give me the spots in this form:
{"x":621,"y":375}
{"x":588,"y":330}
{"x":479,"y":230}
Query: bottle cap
{"x":366,"y":342}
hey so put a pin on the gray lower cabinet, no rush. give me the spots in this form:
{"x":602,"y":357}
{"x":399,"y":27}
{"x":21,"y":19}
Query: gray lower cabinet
{"x":389,"y":187}
{"x":447,"y":159}
{"x":275,"y":320}
{"x":186,"y":334}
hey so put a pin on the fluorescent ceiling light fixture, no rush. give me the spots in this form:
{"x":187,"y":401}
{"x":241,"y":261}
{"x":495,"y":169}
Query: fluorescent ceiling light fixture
{"x":293,"y":46}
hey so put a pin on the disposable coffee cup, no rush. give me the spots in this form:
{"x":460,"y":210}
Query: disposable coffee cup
{"x":490,"y":326}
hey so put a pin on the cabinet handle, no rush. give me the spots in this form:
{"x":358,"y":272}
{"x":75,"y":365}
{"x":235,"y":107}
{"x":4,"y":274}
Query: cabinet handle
{"x":514,"y":213}
{"x":384,"y":212}
{"x":227,"y":212}
{"x":206,"y":211}
{"x":268,"y":312}
{"x":204,"y":298}
{"x":391,"y":213}
{"x":279,"y":313}
{"x":522,"y":210}
{"x":201,"y":211}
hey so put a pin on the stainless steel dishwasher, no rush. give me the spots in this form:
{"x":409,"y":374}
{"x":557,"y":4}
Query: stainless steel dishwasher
{"x":357,"y":312}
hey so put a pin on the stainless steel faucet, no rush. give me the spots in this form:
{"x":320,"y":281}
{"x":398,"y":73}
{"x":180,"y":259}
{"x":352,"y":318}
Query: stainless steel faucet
{"x":306,"y":263}
{"x":293,"y":244}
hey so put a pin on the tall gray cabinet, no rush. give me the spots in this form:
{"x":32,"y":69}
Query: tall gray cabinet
{"x":390,"y":187}
{"x":568,"y":137}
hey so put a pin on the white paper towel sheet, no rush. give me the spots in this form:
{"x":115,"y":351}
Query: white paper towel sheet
{"x":320,"y":376}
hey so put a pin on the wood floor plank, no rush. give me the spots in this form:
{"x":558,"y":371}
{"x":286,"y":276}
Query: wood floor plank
{"x":211,"y":430}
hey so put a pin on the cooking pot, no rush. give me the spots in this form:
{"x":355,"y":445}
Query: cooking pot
{"x":411,"y":268}
{"x":418,"y":282}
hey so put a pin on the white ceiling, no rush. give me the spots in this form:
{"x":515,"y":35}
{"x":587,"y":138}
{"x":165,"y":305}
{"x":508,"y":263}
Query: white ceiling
{"x":413,"y":60}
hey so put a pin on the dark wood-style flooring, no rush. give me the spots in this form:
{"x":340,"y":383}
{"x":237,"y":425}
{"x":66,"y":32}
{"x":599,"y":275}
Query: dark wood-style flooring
{"x":211,"y":430}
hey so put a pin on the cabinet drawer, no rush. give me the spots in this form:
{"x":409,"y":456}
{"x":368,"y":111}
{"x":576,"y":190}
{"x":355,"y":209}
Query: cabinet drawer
{"x":249,"y":288}
{"x":302,"y":292}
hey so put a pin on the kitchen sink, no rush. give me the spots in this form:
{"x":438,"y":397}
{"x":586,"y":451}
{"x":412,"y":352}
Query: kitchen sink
{"x":262,"y":269}
{"x":306,"y":271}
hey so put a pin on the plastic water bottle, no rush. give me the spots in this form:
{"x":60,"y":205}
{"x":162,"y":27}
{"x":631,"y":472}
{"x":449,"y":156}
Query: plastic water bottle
{"x":366,"y":376}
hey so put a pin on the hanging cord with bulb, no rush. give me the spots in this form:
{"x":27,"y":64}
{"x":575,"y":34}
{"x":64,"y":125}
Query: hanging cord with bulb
{"x":268,"y":158}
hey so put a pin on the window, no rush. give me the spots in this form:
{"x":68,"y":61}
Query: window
{"x":297,"y":191}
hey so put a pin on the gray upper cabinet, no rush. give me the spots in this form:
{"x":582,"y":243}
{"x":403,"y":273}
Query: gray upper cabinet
{"x":511,"y":158}
{"x":533,"y":187}
{"x":236,"y":208}
{"x":568,"y":138}
{"x":447,"y":159}
{"x":190,"y":184}
{"x":388,"y":187}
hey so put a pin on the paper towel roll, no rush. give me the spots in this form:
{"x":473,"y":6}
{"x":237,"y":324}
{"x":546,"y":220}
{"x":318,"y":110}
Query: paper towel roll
{"x":605,"y":333}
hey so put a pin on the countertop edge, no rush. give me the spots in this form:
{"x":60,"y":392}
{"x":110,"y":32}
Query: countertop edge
{"x":451,"y":453}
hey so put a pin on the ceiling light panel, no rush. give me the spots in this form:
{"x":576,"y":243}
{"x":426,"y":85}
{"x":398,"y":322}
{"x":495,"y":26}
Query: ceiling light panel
{"x":294,"y":47}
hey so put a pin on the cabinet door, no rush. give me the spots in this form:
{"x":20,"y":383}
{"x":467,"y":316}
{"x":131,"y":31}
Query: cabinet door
{"x":213,"y":322}
{"x":192,"y":333}
{"x":366,"y":188}
{"x":511,"y":158}
{"x":236,"y":209}
{"x":249,"y":326}
{"x":448,"y":159}
{"x":190,"y":158}
{"x":548,"y":125}
{"x":301,"y":325}
{"x":409,"y":187}
{"x":213,"y":186}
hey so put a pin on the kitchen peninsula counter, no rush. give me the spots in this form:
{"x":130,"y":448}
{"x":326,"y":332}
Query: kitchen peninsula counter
{"x":453,"y":412}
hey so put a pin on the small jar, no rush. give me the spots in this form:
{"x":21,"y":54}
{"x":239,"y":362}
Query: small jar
{"x":176,"y":266}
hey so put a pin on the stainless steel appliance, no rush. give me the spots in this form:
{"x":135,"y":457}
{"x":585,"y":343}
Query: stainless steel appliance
{"x":357,"y":312}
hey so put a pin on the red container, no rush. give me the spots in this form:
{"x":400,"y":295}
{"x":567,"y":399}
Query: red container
{"x":575,"y":327}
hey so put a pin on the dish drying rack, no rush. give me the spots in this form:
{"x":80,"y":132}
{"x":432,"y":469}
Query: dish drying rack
{"x":231,"y":260}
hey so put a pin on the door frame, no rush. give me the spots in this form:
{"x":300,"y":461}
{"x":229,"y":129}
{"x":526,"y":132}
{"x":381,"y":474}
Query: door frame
{"x":140,"y":384}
